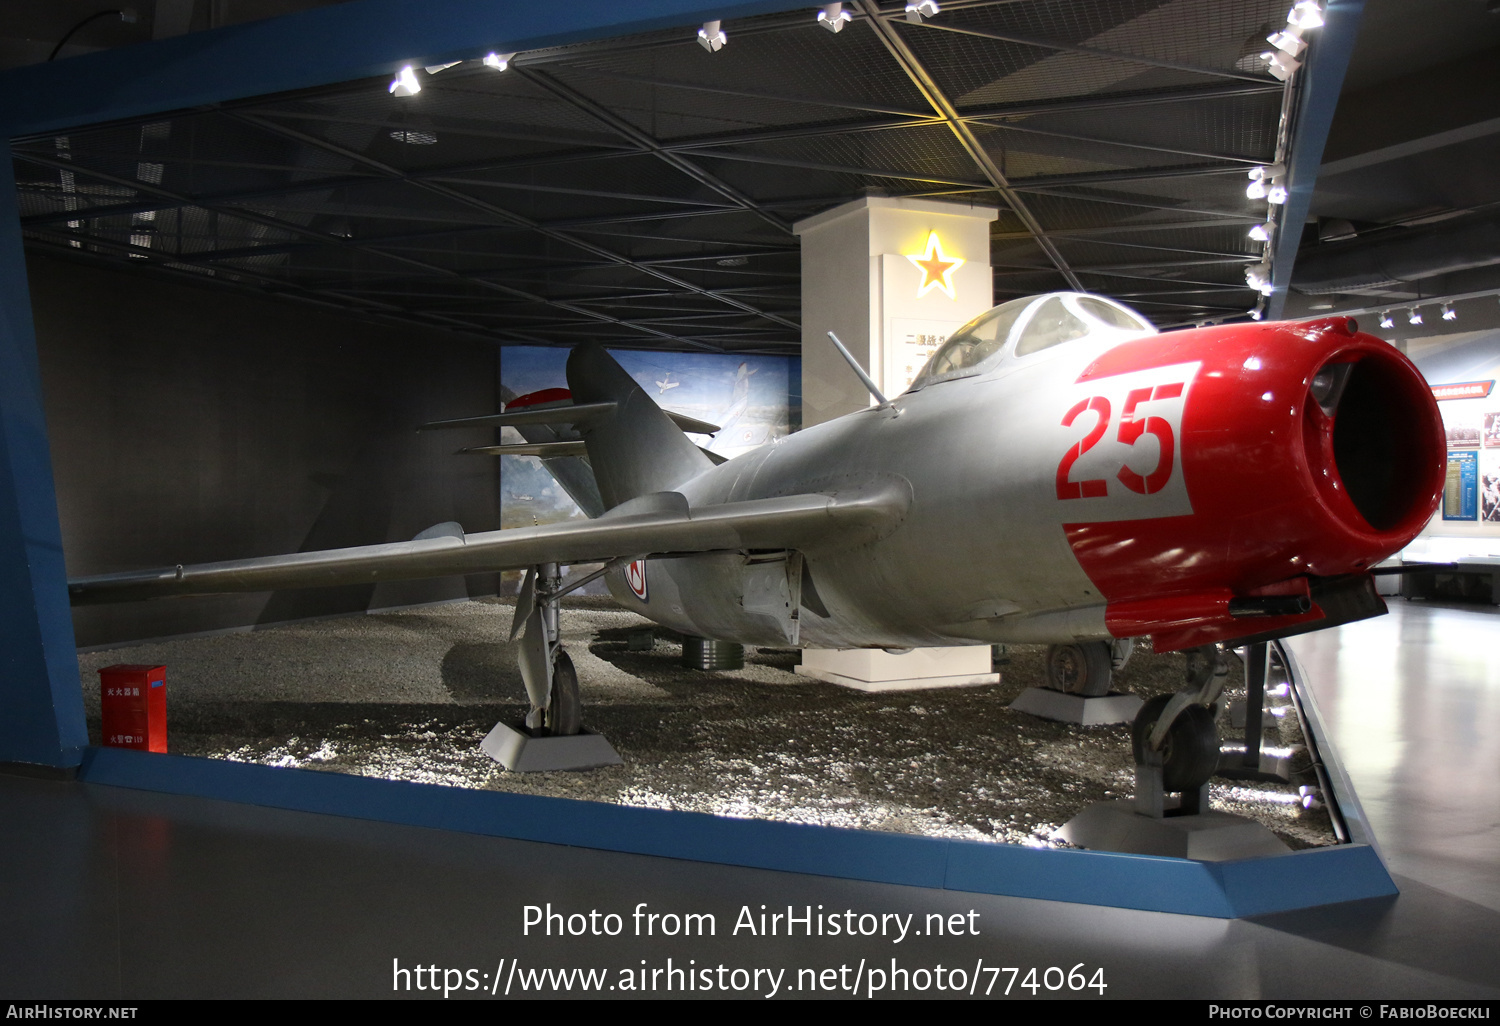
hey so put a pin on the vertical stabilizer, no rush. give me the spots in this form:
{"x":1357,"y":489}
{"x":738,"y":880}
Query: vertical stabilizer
{"x":636,"y":449}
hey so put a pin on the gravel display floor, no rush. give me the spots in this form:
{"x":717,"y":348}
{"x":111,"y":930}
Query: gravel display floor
{"x":409,"y":695}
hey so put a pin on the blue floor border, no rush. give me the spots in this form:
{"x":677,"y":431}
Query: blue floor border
{"x":1223,"y":890}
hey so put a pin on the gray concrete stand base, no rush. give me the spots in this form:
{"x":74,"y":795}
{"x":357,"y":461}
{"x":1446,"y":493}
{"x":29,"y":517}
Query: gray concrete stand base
{"x":1057,"y":705}
{"x":1206,"y":837}
{"x":519,"y":752}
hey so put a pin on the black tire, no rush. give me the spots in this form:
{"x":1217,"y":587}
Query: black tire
{"x":1190,"y":753}
{"x":564,"y":706}
{"x":1082,"y":668}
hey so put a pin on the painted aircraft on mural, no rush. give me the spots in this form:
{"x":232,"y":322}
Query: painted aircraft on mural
{"x":1058,"y":473}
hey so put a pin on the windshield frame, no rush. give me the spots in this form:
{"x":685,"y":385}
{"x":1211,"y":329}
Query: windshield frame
{"x":1006,"y":350}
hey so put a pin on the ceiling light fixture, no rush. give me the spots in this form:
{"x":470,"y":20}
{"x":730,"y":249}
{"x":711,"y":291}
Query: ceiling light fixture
{"x":498,"y":61}
{"x":1305,"y":14}
{"x":405,"y":83}
{"x":1413,"y":315}
{"x":1385,"y":319}
{"x":833,"y":17}
{"x":1258,"y":277}
{"x":920,"y":9}
{"x":1280,"y":65}
{"x":1276,"y":194}
{"x":1288,"y":40}
{"x":711,"y":37}
{"x":1261,"y":233}
{"x":1449,"y":314}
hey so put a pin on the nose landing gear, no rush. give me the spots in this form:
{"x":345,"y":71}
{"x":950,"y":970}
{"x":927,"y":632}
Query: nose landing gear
{"x":1176,"y":749}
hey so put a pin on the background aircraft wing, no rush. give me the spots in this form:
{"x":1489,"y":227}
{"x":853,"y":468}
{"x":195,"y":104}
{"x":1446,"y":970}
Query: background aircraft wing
{"x":657,"y":524}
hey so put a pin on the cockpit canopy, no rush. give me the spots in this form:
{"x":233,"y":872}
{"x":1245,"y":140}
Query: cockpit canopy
{"x":1025,"y":326}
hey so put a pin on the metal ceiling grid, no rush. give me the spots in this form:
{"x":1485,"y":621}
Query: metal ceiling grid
{"x":641,"y":190}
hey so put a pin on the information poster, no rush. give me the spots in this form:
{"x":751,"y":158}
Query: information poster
{"x":1461,"y":491}
{"x":910,"y":343}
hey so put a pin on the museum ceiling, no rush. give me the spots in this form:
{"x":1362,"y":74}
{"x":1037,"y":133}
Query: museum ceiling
{"x":642,"y":191}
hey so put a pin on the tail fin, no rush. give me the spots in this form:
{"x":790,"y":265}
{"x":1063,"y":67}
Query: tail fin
{"x":636,"y":449}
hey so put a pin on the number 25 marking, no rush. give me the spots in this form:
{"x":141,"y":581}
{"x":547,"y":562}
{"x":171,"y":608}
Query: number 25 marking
{"x":1129,"y":432}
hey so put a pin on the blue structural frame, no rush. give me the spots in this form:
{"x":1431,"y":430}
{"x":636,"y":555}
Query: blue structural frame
{"x":1321,"y":80}
{"x":43,"y":722}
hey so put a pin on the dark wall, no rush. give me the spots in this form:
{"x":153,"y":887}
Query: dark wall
{"x":196,"y":424}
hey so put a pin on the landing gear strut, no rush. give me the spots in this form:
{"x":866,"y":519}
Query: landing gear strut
{"x":1077,"y":684}
{"x":552,"y":737}
{"x":1174,"y":741}
{"x":1176,"y":748}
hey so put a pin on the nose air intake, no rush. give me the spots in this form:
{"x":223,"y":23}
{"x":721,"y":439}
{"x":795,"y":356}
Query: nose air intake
{"x":1371,"y":435}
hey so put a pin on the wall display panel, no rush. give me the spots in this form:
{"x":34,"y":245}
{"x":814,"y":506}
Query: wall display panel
{"x":1462,"y":370}
{"x":752,"y":399}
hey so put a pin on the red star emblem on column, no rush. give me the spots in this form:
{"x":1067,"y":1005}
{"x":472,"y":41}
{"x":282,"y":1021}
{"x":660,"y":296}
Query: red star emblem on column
{"x":936,"y":266}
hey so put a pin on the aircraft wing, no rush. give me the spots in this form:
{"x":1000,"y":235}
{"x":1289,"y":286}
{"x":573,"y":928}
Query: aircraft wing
{"x":656,"y":524}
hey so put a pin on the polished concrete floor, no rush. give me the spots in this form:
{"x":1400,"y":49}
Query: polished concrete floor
{"x":111,"y":893}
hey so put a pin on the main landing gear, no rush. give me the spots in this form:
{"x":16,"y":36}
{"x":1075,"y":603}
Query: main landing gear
{"x":552,"y":736}
{"x":1078,"y":679}
{"x":1176,"y":748}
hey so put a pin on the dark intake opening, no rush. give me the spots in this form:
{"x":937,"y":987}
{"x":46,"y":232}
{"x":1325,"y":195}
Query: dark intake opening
{"x":1376,"y":446}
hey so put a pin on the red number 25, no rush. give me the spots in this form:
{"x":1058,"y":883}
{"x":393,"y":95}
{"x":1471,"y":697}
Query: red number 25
{"x":1129,"y":432}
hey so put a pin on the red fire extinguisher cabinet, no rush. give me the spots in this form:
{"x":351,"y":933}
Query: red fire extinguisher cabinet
{"x":134,"y":700}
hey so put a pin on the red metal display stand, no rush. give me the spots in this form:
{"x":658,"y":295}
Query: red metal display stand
{"x":134,"y":699}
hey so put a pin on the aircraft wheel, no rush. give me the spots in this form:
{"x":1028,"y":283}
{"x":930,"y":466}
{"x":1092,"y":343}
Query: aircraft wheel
{"x":1082,"y":668}
{"x":564,"y":707}
{"x":1190,"y":753}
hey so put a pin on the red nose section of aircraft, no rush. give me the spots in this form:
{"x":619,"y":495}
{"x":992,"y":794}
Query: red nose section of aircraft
{"x":1309,"y":452}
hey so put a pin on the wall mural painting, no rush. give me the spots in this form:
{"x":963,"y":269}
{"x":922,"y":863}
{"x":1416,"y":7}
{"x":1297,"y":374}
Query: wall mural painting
{"x":753,"y":399}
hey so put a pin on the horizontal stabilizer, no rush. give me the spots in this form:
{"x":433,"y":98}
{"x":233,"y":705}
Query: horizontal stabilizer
{"x":659,"y":524}
{"x":546,"y":450}
{"x":578,"y":413}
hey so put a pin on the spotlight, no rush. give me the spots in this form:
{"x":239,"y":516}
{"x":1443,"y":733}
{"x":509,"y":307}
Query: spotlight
{"x":1413,"y":315}
{"x":1261,"y":233}
{"x":1288,"y":41}
{"x":1276,"y":194}
{"x":833,"y":17}
{"x":1385,"y":319}
{"x":1280,"y":65}
{"x":1256,"y":190}
{"x":711,"y":37}
{"x":1305,"y":14}
{"x":1449,"y":314}
{"x":498,"y":61}
{"x":1258,"y":277}
{"x":919,"y":9}
{"x":405,"y":83}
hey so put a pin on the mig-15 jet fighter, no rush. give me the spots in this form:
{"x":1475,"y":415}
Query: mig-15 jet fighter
{"x":1058,"y":473}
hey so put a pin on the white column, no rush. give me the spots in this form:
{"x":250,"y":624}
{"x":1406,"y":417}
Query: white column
{"x":892,"y":278}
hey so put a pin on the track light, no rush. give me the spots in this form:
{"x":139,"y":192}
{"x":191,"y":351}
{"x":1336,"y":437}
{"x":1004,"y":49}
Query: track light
{"x":1288,"y":41}
{"x":1385,"y":319}
{"x":498,"y":61}
{"x":833,"y":17}
{"x":1305,"y":14}
{"x":711,"y":37}
{"x":1280,"y":65}
{"x":1276,"y":193}
{"x":1413,"y":315}
{"x":405,"y":83}
{"x":1261,"y":233}
{"x":919,"y":9}
{"x":1449,"y":314}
